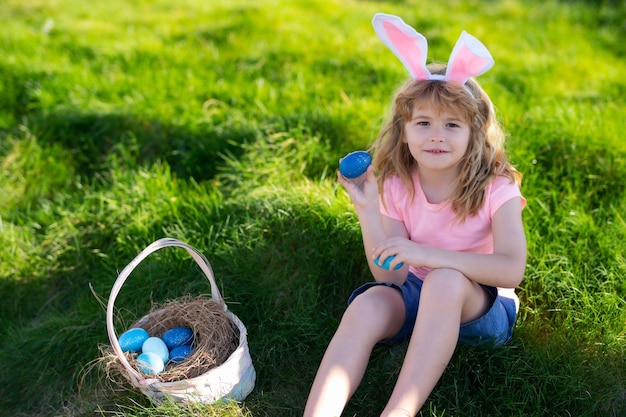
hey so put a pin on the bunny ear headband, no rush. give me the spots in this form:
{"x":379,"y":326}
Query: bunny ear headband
{"x":469,"y":58}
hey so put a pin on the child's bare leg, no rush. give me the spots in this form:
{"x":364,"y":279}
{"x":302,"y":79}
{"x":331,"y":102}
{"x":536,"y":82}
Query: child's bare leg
{"x":448,"y":299}
{"x":376,"y":314}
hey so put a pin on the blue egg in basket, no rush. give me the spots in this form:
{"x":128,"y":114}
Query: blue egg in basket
{"x":180,"y":353}
{"x":178,"y":336}
{"x":132,"y":339}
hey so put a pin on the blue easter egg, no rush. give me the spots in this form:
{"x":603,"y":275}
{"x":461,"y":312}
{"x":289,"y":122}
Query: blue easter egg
{"x":180,"y":353}
{"x":387,"y":264}
{"x":178,"y":336}
{"x":149,"y":363}
{"x":132,"y":339}
{"x":354,"y":164}
{"x":157,"y":346}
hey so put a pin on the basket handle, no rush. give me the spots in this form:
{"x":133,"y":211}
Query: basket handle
{"x":200,"y":259}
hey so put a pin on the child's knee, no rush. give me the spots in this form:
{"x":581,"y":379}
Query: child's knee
{"x":445,"y":283}
{"x":379,"y":306}
{"x":377,"y":296}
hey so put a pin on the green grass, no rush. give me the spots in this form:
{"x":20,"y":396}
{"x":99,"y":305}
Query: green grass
{"x":220,"y":123}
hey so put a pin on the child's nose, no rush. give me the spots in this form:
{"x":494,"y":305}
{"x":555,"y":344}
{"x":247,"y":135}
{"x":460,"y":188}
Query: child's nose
{"x":437,"y":135}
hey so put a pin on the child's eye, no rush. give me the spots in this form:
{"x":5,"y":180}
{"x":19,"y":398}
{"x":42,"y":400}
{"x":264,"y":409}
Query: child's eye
{"x":453,"y":125}
{"x":422,"y":123}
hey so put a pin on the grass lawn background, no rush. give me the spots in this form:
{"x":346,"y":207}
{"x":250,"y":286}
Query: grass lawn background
{"x":220,"y":123}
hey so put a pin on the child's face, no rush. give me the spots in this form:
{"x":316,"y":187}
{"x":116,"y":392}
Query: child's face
{"x":437,"y":139}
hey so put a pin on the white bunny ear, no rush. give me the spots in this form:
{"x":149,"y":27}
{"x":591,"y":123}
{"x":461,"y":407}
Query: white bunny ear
{"x":408,"y":45}
{"x":469,"y":58}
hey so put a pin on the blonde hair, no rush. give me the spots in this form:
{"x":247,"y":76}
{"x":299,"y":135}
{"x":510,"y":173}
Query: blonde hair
{"x":484,"y":159}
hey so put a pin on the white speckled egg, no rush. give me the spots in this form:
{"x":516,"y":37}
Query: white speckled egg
{"x":132,"y":339}
{"x":157,"y":346}
{"x":149,"y":363}
{"x":178,"y":336}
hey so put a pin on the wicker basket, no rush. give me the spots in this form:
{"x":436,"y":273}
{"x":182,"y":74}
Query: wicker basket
{"x":234,"y":379}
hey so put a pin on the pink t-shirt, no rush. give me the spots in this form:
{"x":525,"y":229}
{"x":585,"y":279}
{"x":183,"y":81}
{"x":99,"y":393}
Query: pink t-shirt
{"x":434,"y":224}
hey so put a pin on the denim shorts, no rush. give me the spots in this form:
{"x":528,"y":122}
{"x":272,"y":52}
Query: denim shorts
{"x":491,"y":330}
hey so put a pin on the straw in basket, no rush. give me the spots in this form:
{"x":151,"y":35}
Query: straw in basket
{"x":234,"y":379}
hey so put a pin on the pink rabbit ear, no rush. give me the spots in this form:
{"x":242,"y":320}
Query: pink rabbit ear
{"x":408,"y":45}
{"x":469,"y":58}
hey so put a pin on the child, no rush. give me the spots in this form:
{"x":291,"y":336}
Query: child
{"x":442,"y":198}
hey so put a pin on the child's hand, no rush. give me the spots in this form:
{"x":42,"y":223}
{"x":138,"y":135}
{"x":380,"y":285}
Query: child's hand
{"x":404,"y":250}
{"x":363,"y":190}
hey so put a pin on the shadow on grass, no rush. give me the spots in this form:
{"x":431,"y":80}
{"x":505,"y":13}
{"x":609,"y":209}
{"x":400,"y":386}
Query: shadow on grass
{"x":97,"y":141}
{"x":523,"y":378}
{"x":93,"y":138}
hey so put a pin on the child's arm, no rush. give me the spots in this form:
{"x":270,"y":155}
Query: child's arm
{"x":504,"y":268}
{"x":375,"y":228}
